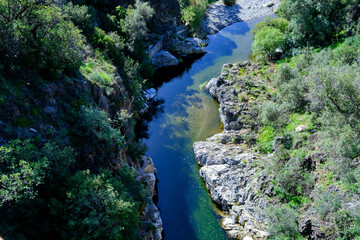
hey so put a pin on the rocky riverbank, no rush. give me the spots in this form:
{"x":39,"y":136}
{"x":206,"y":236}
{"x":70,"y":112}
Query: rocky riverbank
{"x":150,"y":215}
{"x":219,"y":16}
{"x":239,"y":176}
{"x":173,"y":46}
{"x":228,"y":165}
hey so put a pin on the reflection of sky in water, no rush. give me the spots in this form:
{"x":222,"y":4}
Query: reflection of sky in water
{"x":191,"y":115}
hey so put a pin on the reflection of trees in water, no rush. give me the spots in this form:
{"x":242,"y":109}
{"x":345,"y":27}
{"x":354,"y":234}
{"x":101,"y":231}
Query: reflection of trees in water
{"x":165,"y":75}
{"x":142,"y":125}
{"x":156,"y":105}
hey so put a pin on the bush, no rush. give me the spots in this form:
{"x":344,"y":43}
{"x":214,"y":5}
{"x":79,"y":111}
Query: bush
{"x":278,"y":23}
{"x":293,"y":182}
{"x":100,"y":207}
{"x":317,"y":22}
{"x":265,"y":139}
{"x":192,"y":16}
{"x":135,"y":21}
{"x":348,"y":223}
{"x":266,"y":41}
{"x":327,"y":203}
{"x":229,"y":2}
{"x":272,"y":114}
{"x":94,"y":130}
{"x":348,"y":52}
{"x":23,"y":169}
{"x":49,"y":43}
{"x":82,"y":16}
{"x":282,"y":221}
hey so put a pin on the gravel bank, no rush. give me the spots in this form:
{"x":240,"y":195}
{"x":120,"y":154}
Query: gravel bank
{"x":219,"y":16}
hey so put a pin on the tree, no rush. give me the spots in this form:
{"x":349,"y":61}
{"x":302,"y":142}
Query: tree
{"x":266,"y":41}
{"x":100,"y":207}
{"x":23,"y":168}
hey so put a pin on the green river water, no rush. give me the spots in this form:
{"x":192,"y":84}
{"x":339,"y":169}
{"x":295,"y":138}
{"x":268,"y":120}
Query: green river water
{"x":190,"y":114}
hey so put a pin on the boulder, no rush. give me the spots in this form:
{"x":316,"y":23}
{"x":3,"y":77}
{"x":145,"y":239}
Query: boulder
{"x":164,"y":59}
{"x":190,"y":46}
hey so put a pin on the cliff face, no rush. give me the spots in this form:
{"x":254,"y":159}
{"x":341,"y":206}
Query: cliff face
{"x":167,"y":14}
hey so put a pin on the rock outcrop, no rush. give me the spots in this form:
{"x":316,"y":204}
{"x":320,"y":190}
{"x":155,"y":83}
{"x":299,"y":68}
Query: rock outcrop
{"x":229,"y":176}
{"x":150,"y":214}
{"x":167,"y":14}
{"x":171,"y":48}
{"x":227,"y":169}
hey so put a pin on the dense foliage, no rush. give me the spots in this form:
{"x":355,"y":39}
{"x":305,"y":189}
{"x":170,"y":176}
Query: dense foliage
{"x":72,"y":77}
{"x":310,"y":125}
{"x":192,"y":12}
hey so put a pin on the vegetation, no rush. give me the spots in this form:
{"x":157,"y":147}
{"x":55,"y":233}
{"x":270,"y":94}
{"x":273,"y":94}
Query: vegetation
{"x":310,"y":124}
{"x":229,"y":2}
{"x":192,"y":13}
{"x":72,"y":77}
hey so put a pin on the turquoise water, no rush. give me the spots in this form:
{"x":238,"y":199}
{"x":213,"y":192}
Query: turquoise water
{"x":189,"y":115}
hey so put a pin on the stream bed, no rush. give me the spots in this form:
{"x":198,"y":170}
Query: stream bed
{"x":190,"y":114}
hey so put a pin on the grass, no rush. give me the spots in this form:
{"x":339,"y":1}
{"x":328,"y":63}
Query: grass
{"x":265,"y":139}
{"x":297,"y":119}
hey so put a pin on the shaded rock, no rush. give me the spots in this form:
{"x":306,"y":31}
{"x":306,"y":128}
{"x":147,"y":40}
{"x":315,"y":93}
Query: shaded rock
{"x":189,"y":47}
{"x":164,"y":59}
{"x":305,"y":226}
{"x":151,"y":214}
{"x":50,"y":110}
{"x":312,"y":161}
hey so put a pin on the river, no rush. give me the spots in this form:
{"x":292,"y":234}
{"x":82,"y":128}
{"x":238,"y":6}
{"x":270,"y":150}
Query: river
{"x":189,"y":115}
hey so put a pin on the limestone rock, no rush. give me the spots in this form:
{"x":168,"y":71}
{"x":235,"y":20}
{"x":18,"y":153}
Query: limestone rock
{"x":228,"y":175}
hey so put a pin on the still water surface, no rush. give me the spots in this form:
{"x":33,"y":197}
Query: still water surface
{"x":189,"y":115}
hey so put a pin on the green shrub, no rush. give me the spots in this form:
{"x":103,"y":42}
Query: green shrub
{"x":192,"y":16}
{"x":282,"y":221}
{"x":23,"y":169}
{"x":100,"y":39}
{"x":349,"y":50}
{"x":82,"y":16}
{"x":266,"y":41}
{"x":348,"y":223}
{"x":100,"y":207}
{"x":272,"y":114}
{"x":229,"y":2}
{"x":327,"y":203}
{"x":44,"y":40}
{"x":317,"y":22}
{"x":95,"y":130}
{"x":135,"y":21}
{"x":278,"y":23}
{"x":293,"y":182}
{"x":265,"y":139}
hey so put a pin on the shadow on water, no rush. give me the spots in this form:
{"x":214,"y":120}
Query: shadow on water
{"x":181,"y":114}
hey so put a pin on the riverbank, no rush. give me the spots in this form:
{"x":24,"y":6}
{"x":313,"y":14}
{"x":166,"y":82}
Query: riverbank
{"x":218,"y":15}
{"x":227,"y":160}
